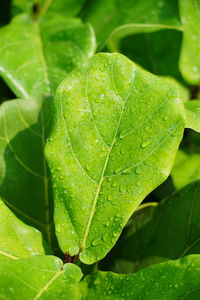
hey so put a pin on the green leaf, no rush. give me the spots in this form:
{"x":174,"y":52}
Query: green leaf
{"x":37,"y":55}
{"x":24,"y":175}
{"x":190,"y":53}
{"x":16,"y":238}
{"x":115,"y":134}
{"x":186,"y":169}
{"x":193,"y":114}
{"x":169,"y":230}
{"x":130,"y":17}
{"x":65,"y":7}
{"x":170,"y":280}
{"x":39,"y":277}
{"x":157,"y":52}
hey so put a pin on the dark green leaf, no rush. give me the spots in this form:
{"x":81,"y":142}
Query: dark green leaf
{"x":115,"y":134}
{"x":167,"y":231}
{"x":24,"y":176}
{"x":171,"y":280}
{"x":117,"y":18}
{"x":157,"y":52}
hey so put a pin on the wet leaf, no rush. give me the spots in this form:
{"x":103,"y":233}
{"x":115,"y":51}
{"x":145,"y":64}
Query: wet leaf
{"x":116,"y":130}
{"x":37,"y":54}
{"x":172,"y":280}
{"x":16,"y":238}
{"x":39,"y":277}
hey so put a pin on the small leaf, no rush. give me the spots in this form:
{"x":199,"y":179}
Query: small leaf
{"x":190,"y":53}
{"x":170,"y":280}
{"x":115,"y":134}
{"x":186,"y":169}
{"x":169,"y":230}
{"x":37,"y":55}
{"x":193,"y":114}
{"x":24,"y":175}
{"x":130,"y":17}
{"x":39,"y":277}
{"x":16,"y":238}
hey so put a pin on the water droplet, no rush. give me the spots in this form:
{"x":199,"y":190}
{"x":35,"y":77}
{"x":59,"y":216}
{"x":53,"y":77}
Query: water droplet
{"x":145,"y":144}
{"x":137,"y":171}
{"x":59,"y":168}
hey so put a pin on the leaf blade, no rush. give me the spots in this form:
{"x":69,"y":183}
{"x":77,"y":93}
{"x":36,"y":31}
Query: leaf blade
{"x":81,"y":119}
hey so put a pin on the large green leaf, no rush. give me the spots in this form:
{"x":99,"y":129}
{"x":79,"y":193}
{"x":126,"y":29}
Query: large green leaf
{"x":167,"y":281}
{"x":65,"y":7}
{"x":115,"y":134}
{"x":167,"y":231}
{"x":37,"y":55}
{"x":39,"y":277}
{"x":186,"y":168}
{"x":190,"y":54}
{"x":117,"y":18}
{"x":193,"y":114}
{"x":24,"y":176}
{"x":16,"y":238}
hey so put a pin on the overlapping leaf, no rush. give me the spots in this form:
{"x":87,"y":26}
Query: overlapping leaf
{"x":170,"y":280}
{"x":167,"y":231}
{"x":24,"y":177}
{"x":117,"y":18}
{"x":16,"y":238}
{"x":35,"y":55}
{"x":115,"y":134}
{"x":40,"y":277}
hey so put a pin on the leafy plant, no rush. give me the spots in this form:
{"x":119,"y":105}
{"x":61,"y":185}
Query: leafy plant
{"x":92,"y":144}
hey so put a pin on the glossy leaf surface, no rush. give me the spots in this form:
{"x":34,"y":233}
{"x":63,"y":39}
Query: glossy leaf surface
{"x":193,"y":114}
{"x":190,"y":54}
{"x":65,"y":7}
{"x":170,"y":280}
{"x":40,"y":277}
{"x":116,"y":128}
{"x":117,"y":18}
{"x":186,"y":168}
{"x":24,"y":176}
{"x":37,"y":55}
{"x":16,"y":238}
{"x":168,"y":231}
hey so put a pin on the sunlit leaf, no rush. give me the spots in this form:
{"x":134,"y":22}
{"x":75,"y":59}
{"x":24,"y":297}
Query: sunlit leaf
{"x":170,"y":280}
{"x":39,"y":277}
{"x":16,"y":238}
{"x":116,"y":130}
{"x":35,"y":55}
{"x":190,"y":54}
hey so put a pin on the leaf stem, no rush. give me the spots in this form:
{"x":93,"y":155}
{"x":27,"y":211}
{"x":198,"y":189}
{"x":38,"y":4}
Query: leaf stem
{"x":44,"y":8}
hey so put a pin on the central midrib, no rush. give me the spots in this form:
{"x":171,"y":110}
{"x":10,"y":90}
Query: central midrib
{"x":102,"y":174}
